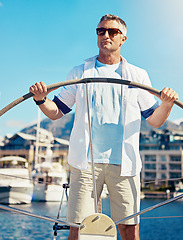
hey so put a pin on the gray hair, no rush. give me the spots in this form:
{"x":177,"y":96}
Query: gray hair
{"x":115,"y":18}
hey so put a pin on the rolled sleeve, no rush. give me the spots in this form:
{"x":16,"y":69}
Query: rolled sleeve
{"x":148,"y":112}
{"x":62,"y":106}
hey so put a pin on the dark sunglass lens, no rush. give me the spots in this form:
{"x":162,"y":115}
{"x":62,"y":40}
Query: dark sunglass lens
{"x":113,"y":32}
{"x":101,"y":31}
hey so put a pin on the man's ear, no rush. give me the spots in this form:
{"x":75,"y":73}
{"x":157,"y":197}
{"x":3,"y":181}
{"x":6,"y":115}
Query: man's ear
{"x":123,"y":40}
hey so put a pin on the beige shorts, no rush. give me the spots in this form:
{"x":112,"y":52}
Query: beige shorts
{"x":124,"y":193}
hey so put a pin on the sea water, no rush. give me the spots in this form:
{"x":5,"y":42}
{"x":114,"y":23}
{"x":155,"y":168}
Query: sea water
{"x":163,"y":223}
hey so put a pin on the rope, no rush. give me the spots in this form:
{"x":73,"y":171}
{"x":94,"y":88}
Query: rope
{"x":161,"y":217}
{"x":150,"y":208}
{"x":37,"y":216}
{"x":30,"y":179}
{"x":164,"y":180}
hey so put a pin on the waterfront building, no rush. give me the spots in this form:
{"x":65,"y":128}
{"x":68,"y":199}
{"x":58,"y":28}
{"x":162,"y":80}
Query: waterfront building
{"x":24,"y":145}
{"x":162,"y":157}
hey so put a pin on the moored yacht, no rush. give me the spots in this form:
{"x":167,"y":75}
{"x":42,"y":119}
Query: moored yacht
{"x":48,"y":179}
{"x":178,"y":190}
{"x":15,"y":184}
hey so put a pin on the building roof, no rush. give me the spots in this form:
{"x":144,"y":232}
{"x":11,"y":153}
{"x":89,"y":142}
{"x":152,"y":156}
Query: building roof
{"x":62,"y":141}
{"x":25,"y":136}
{"x":13,"y":158}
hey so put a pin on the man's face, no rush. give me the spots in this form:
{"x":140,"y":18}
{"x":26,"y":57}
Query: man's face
{"x":107,"y":43}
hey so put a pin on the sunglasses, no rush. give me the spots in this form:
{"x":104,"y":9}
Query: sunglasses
{"x":111,"y":31}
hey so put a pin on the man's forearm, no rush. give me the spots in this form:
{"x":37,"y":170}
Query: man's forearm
{"x":50,"y":109}
{"x":160,"y":115}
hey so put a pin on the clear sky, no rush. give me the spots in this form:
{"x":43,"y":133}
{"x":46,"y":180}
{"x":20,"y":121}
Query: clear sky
{"x":42,"y":40}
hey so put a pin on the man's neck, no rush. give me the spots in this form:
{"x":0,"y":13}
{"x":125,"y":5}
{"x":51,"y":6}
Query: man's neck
{"x":109,"y":58}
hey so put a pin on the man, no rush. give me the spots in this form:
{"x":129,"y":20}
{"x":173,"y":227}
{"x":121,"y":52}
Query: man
{"x":115,"y":122}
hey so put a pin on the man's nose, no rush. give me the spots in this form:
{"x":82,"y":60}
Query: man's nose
{"x":106,"y":34}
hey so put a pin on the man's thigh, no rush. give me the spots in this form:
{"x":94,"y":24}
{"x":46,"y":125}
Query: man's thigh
{"x":81,"y":199}
{"x":124,"y":194}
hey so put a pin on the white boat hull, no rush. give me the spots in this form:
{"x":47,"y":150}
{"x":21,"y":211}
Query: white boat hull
{"x":15,"y":195}
{"x":48,"y":182}
{"x":15,"y":185}
{"x":177,"y":194}
{"x":49,"y":193}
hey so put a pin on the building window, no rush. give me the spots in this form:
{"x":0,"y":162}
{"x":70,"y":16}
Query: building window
{"x":175,"y":175}
{"x":162,"y":167}
{"x":162,"y":176}
{"x":150,"y":158}
{"x":175,"y":166}
{"x":175,"y":158}
{"x":162,"y":158}
{"x":149,"y":175}
{"x":150,"y":166}
{"x":174,"y":147}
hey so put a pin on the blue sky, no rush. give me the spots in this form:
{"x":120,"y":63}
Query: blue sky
{"x":42,"y":40}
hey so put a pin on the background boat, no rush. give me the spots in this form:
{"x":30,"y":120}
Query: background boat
{"x":48,"y":178}
{"x":178,"y":190}
{"x":15,"y":184}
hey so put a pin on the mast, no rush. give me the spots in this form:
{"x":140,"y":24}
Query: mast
{"x":36,"y":158}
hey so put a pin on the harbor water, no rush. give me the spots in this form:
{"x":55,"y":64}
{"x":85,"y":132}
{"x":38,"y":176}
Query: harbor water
{"x":164,"y":223}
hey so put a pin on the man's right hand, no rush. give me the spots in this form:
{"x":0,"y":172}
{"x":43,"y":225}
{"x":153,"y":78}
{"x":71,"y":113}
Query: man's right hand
{"x":49,"y":108}
{"x":39,"y":90}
